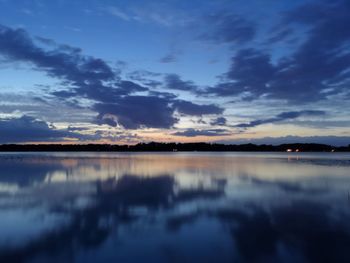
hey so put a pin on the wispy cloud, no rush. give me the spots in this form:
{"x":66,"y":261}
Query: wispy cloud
{"x":208,"y":132}
{"x":118,"y":13}
{"x":288,"y":115}
{"x":158,"y":15}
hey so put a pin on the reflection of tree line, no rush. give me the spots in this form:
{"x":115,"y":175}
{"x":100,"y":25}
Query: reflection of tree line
{"x":154,"y":146}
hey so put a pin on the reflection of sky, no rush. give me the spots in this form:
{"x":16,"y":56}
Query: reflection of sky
{"x":132,"y":206}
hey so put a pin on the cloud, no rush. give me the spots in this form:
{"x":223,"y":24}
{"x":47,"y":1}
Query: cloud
{"x":281,"y":117}
{"x":319,"y":67}
{"x":26,"y":128}
{"x":93,"y":79}
{"x":228,"y":28}
{"x":193,"y":109}
{"x":145,"y":77}
{"x":133,"y":112}
{"x":168,"y":58}
{"x":250,"y":71}
{"x":174,"y":82}
{"x":27,"y":11}
{"x":220,"y":121}
{"x":86,"y":76}
{"x":15,"y":44}
{"x":210,"y":132}
{"x":118,"y":13}
{"x":160,"y":15}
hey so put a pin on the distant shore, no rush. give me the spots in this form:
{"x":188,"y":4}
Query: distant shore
{"x":173,"y":147}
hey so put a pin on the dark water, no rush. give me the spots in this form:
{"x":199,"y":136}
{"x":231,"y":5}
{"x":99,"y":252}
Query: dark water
{"x":239,"y":207}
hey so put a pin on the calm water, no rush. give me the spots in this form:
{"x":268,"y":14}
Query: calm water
{"x":201,"y":207}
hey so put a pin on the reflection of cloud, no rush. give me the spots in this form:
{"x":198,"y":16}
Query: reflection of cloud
{"x":112,"y":203}
{"x":25,"y":172}
{"x":174,"y":223}
{"x":186,"y":195}
{"x":284,"y":185}
{"x":150,"y":195}
{"x":302,"y":232}
{"x":137,"y":191}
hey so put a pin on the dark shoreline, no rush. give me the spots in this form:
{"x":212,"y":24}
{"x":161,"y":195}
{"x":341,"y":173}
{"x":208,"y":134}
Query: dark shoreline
{"x":172,"y":147}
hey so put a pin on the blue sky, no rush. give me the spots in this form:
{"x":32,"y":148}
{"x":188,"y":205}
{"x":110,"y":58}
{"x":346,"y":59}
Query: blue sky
{"x":131,"y":71}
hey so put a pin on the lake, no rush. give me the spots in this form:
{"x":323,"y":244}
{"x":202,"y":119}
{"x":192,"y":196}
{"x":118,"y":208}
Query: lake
{"x":174,"y":207}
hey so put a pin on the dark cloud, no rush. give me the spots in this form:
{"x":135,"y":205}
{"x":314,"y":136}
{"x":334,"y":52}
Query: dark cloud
{"x":26,"y":128}
{"x":46,"y":41}
{"x":281,"y":117}
{"x":168,"y":58}
{"x":319,"y":67}
{"x":130,"y":87}
{"x":145,"y":77}
{"x":65,"y":63}
{"x":228,"y":28}
{"x":174,"y":82}
{"x":134,"y":112}
{"x":73,"y":129}
{"x":92,"y":78}
{"x":190,"y":108}
{"x":83,"y":76}
{"x":142,"y":74}
{"x":251,"y":71}
{"x":62,"y":47}
{"x":101,"y":93}
{"x":220,"y":121}
{"x":210,"y":132}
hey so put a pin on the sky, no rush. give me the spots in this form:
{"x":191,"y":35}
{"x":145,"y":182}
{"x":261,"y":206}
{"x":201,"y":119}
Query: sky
{"x":130,"y":71}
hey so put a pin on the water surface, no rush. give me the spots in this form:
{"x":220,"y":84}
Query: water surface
{"x":174,"y":207}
